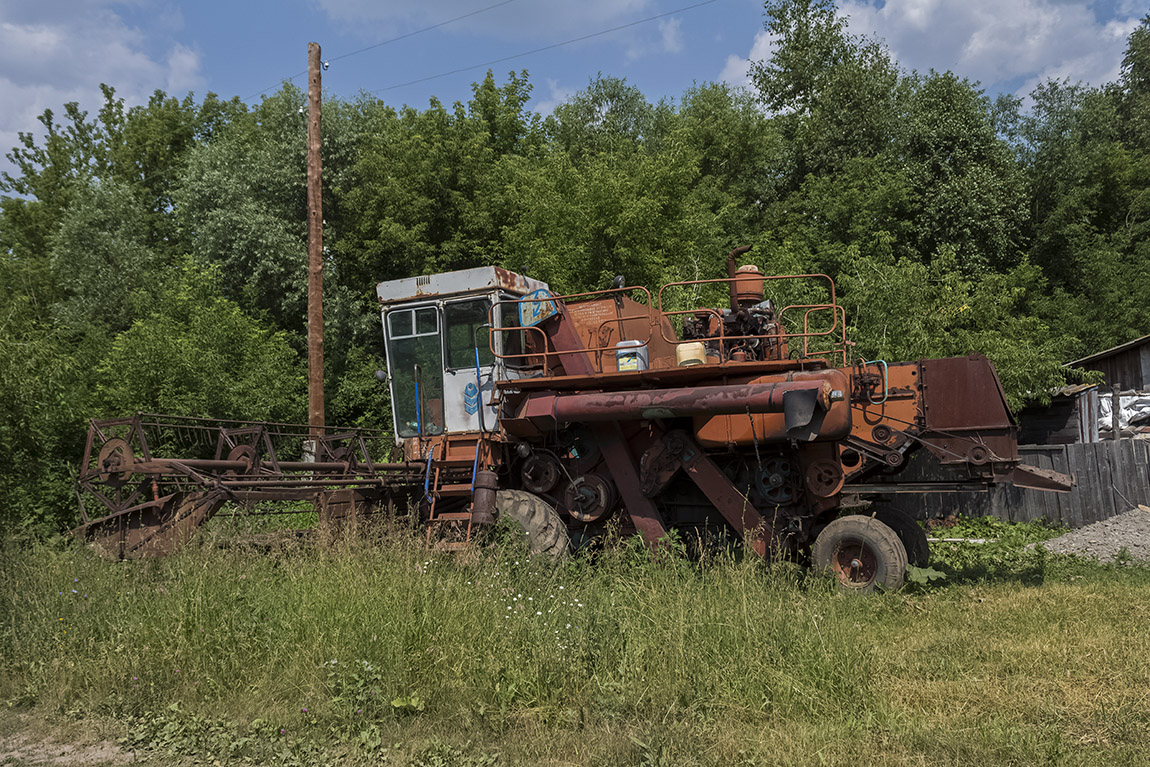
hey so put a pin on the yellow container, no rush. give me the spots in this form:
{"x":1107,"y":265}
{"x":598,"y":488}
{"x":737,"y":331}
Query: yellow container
{"x":690,"y":354}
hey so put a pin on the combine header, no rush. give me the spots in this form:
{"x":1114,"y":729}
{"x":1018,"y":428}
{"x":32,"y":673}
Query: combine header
{"x":617,"y":409}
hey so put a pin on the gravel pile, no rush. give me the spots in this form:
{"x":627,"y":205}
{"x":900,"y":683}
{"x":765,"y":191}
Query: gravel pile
{"x":1102,"y":540}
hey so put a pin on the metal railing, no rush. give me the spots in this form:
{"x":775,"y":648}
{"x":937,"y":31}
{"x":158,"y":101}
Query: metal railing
{"x":658,"y":316}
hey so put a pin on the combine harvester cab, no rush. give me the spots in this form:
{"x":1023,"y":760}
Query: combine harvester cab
{"x":616,"y":410}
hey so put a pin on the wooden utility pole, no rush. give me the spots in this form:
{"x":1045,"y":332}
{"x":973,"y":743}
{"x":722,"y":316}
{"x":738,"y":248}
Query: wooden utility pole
{"x":314,"y":247}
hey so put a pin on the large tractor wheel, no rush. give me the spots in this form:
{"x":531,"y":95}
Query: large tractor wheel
{"x":911,"y":534}
{"x":862,"y":553}
{"x":546,"y":533}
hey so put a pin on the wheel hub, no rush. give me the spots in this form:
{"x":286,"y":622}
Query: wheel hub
{"x":854,"y":564}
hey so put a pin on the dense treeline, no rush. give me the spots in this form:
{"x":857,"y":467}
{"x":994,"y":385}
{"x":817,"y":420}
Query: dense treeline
{"x":153,"y":258}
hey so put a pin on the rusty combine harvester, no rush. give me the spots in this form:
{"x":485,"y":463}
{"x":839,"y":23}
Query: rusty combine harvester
{"x":582,"y":413}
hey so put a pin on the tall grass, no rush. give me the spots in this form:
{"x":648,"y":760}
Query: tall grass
{"x":350,"y":650}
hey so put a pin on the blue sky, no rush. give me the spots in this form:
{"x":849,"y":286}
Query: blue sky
{"x":54,"y":51}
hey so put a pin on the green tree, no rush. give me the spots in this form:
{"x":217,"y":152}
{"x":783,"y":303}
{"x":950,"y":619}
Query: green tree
{"x":966,"y":183}
{"x":198,"y":354}
{"x":906,"y":310}
{"x":835,"y":95}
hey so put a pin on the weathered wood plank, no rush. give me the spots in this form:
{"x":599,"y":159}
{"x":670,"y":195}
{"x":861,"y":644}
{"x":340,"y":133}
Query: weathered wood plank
{"x":1128,"y":473}
{"x":1128,"y":483}
{"x":1106,"y":481}
{"x":1051,"y":503}
{"x":1070,"y":504}
{"x":1099,"y":501}
{"x":1045,"y":505}
{"x":1091,"y":501}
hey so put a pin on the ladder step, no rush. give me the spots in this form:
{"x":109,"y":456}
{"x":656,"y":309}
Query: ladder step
{"x":463,"y":489}
{"x":452,"y":545}
{"x":452,"y":516}
{"x":457,"y":463}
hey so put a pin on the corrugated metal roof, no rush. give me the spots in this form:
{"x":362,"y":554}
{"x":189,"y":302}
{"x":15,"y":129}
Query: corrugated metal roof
{"x":1070,"y":391}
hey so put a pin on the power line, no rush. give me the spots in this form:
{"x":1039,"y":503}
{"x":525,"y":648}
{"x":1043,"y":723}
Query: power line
{"x":387,"y":42}
{"x":545,"y":47}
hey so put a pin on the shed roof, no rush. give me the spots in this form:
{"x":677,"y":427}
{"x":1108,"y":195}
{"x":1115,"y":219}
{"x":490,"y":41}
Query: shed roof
{"x":1109,"y":352}
{"x":1073,"y":390}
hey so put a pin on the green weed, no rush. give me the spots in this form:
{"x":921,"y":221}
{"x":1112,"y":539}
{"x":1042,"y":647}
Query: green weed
{"x":347,"y":652}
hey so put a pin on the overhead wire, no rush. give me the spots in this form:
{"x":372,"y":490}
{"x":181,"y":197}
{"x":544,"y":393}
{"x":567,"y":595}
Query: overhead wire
{"x":545,"y":47}
{"x":388,"y":42}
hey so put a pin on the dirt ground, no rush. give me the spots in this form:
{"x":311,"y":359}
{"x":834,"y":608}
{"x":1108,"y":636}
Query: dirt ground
{"x":29,"y":742}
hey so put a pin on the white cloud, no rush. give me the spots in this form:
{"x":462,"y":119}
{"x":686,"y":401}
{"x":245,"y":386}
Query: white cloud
{"x":640,"y":44}
{"x":736,"y":71}
{"x":53,"y":53}
{"x":998,"y":41}
{"x":183,"y":67}
{"x":557,"y":94}
{"x":672,"y":32}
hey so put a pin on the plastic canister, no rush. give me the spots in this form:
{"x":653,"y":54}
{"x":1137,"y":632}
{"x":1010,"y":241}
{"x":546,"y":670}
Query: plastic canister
{"x":631,"y":355}
{"x":690,"y":354}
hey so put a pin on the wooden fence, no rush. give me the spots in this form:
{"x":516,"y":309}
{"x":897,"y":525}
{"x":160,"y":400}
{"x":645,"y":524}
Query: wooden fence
{"x":1112,"y":477}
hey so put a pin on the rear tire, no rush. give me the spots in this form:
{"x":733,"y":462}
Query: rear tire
{"x":546,"y":534}
{"x":910,"y":532}
{"x":862,"y":553}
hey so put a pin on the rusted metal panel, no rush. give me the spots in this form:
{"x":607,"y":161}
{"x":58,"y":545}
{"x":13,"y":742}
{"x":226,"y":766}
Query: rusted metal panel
{"x":156,"y":528}
{"x":962,"y":393}
{"x":1041,"y":479}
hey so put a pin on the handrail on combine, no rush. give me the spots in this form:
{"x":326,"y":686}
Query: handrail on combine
{"x":656,"y":316}
{"x":838,"y":313}
{"x":595,"y":351}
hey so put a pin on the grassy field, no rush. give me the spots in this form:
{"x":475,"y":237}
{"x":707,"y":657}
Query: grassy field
{"x":360,"y":652}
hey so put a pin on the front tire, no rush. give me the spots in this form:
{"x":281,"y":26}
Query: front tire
{"x":862,"y":553}
{"x":546,"y":534}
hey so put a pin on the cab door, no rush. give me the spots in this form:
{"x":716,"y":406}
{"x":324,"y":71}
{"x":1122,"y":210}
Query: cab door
{"x":466,"y":386}
{"x":415,"y":367}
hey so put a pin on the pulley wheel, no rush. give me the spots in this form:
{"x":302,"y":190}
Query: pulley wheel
{"x":776,"y":481}
{"x":589,"y":498}
{"x":979,"y":454}
{"x":115,"y":461}
{"x":247,"y":454}
{"x":824,"y":478}
{"x":540,"y":473}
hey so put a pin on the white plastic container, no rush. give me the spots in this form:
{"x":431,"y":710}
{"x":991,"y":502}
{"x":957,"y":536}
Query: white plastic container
{"x":631,"y":355}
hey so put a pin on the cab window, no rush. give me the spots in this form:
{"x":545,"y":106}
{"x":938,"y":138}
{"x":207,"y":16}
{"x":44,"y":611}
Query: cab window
{"x":465,"y":321}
